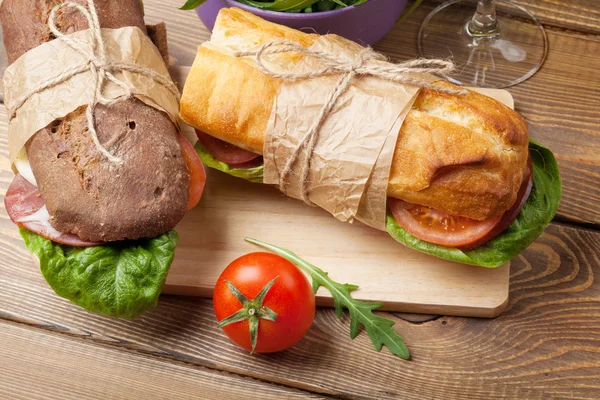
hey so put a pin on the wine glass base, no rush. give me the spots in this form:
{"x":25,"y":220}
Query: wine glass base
{"x":509,"y":57}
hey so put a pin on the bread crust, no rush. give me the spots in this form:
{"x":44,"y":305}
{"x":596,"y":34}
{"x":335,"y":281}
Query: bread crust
{"x":84,"y":194}
{"x":465,"y":155}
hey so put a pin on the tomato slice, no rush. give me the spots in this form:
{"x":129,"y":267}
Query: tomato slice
{"x":511,"y":214}
{"x":257,"y":162}
{"x":438,"y":227}
{"x":225,"y":152}
{"x":196,"y":170}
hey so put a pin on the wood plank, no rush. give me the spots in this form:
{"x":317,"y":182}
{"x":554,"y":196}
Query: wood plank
{"x":38,"y":365}
{"x":544,"y":346}
{"x":578,"y":15}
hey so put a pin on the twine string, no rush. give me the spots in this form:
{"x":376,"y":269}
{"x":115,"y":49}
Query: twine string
{"x":364,"y":64}
{"x":100,"y":68}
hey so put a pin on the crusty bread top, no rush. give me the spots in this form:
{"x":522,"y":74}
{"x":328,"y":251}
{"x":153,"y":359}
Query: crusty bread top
{"x":226,"y":96}
{"x":25,"y":21}
{"x":465,"y":155}
{"x":145,"y":197}
{"x":239,"y":30}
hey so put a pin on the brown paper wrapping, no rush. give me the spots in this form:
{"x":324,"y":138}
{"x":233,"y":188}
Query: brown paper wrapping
{"x":351,"y":163}
{"x":128,"y":44}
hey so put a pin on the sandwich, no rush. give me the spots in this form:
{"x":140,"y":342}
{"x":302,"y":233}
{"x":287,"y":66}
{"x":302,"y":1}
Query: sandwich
{"x":466,"y":183}
{"x":103,"y":232}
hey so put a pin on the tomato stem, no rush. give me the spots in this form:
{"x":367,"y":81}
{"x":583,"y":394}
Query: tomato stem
{"x":252,"y":310}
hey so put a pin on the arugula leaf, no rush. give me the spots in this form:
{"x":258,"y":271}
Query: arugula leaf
{"x":192,"y":4}
{"x":536,"y":214}
{"x":121,"y":279}
{"x":250,"y":174}
{"x":408,"y":12}
{"x":379,"y":329}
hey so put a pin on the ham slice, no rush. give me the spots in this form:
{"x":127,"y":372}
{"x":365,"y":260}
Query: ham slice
{"x":231,"y":155}
{"x":26,"y":208}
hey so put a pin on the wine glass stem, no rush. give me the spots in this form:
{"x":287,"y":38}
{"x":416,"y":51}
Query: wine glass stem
{"x":484,"y":23}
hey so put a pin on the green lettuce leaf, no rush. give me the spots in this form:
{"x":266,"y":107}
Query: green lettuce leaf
{"x":192,"y":4}
{"x":250,"y":174}
{"x":121,"y":279}
{"x":535,"y":215}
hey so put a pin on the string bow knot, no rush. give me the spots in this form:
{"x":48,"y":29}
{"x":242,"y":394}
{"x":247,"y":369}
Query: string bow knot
{"x":366,"y":63}
{"x":98,"y":65}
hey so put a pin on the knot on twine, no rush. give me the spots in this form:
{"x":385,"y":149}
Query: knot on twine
{"x":100,"y":68}
{"x":364,"y":64}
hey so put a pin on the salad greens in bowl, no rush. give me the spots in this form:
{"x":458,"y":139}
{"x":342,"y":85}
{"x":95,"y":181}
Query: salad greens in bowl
{"x":292,"y":6}
{"x":363,"y":21}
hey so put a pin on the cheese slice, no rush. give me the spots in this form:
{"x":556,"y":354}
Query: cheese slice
{"x":22,"y":165}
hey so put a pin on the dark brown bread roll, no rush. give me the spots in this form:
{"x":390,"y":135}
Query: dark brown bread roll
{"x":85,"y":194}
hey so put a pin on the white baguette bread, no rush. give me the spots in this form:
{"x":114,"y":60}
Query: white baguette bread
{"x":464,"y":155}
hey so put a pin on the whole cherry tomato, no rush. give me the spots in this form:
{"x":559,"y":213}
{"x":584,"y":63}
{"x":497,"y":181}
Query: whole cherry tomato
{"x":264,"y":303}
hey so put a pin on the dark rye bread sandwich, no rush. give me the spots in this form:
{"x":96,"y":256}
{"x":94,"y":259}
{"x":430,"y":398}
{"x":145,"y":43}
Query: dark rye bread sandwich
{"x":82,"y":199}
{"x":84,"y":194}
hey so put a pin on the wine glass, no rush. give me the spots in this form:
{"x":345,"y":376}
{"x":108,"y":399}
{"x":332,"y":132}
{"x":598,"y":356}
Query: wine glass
{"x":494,"y":43}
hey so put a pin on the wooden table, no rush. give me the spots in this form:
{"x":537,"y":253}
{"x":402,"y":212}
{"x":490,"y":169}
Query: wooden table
{"x":546,"y":345}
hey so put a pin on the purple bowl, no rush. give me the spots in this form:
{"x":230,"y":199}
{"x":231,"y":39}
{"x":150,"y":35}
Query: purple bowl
{"x":366,"y":24}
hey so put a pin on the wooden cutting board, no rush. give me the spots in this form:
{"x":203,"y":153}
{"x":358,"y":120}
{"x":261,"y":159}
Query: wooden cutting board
{"x":212,"y":236}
